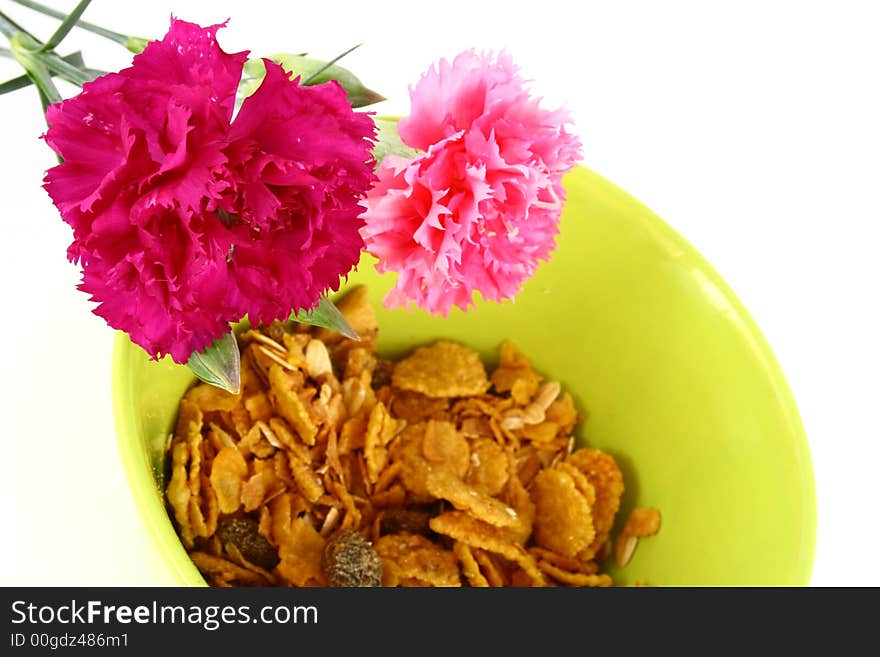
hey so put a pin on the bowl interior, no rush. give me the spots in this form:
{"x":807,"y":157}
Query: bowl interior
{"x":672,"y":375}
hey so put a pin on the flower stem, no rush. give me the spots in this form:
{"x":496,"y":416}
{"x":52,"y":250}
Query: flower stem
{"x":24,"y":49}
{"x":65,"y":70}
{"x":91,"y":27}
{"x":9,"y":27}
{"x":66,"y":25}
{"x":28,"y":49}
{"x":24,"y":80}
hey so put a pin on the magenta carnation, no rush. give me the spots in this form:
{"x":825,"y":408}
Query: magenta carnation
{"x":480,"y":207}
{"x":184,"y":220}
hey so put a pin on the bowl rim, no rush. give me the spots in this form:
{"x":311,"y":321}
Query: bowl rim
{"x":149,"y":498}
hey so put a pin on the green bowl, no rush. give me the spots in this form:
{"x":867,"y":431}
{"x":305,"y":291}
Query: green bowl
{"x":673,"y":376}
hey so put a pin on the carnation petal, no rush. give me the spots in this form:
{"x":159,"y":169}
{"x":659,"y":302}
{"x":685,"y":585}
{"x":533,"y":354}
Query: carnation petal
{"x":190,"y":56}
{"x":480,"y":206}
{"x":183,"y":222}
{"x":307,"y":166}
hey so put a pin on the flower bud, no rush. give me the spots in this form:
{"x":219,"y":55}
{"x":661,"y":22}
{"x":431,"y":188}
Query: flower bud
{"x":136,"y":44}
{"x":310,"y":72}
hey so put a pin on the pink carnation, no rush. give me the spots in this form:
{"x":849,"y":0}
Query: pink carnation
{"x":480,"y":207}
{"x":184,"y":220}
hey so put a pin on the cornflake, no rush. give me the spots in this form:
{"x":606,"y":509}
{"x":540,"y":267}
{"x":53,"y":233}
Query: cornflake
{"x":563,"y":521}
{"x":445,"y":369}
{"x":413,"y":560}
{"x":642,"y":522}
{"x":453,"y":476}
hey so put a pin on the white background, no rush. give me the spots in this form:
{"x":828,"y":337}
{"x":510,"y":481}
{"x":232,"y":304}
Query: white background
{"x":752,"y":127}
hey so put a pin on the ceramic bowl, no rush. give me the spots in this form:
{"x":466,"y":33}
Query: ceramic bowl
{"x":672,"y":375}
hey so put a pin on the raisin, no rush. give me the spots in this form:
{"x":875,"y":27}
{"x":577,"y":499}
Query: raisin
{"x":242,"y":532}
{"x":350,"y":560}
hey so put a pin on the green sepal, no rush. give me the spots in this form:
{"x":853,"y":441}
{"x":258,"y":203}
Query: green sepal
{"x":327,"y":315}
{"x":310,"y":72}
{"x":135,"y":44}
{"x":219,"y":364}
{"x":388,"y":141}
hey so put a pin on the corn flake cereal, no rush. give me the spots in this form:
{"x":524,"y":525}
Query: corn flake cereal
{"x":442,"y":444}
{"x":642,"y":522}
{"x":469,"y":566}
{"x":414,"y":467}
{"x":178,"y":492}
{"x":478,"y":534}
{"x":228,"y":471}
{"x":411,"y":559}
{"x":445,"y":369}
{"x":416,"y":407}
{"x":573,"y":578}
{"x":333,"y":460}
{"x":261,"y":486}
{"x":488,"y":470}
{"x":289,"y":405}
{"x":487,"y":564}
{"x":301,"y":551}
{"x":380,"y":429}
{"x":444,"y":484}
{"x":603,"y":473}
{"x":563,"y":522}
{"x":211,"y":398}
{"x":222,"y":572}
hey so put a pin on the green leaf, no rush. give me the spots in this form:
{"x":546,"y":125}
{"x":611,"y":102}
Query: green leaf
{"x":326,"y":314}
{"x":64,"y":70}
{"x":76,"y":59}
{"x":10,"y":28}
{"x":219,"y":364}
{"x":91,"y":27}
{"x":66,"y":25}
{"x":388,"y":141}
{"x":15,"y":83}
{"x":311,"y":72}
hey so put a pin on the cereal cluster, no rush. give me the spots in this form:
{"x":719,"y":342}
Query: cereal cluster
{"x":336,"y":467}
